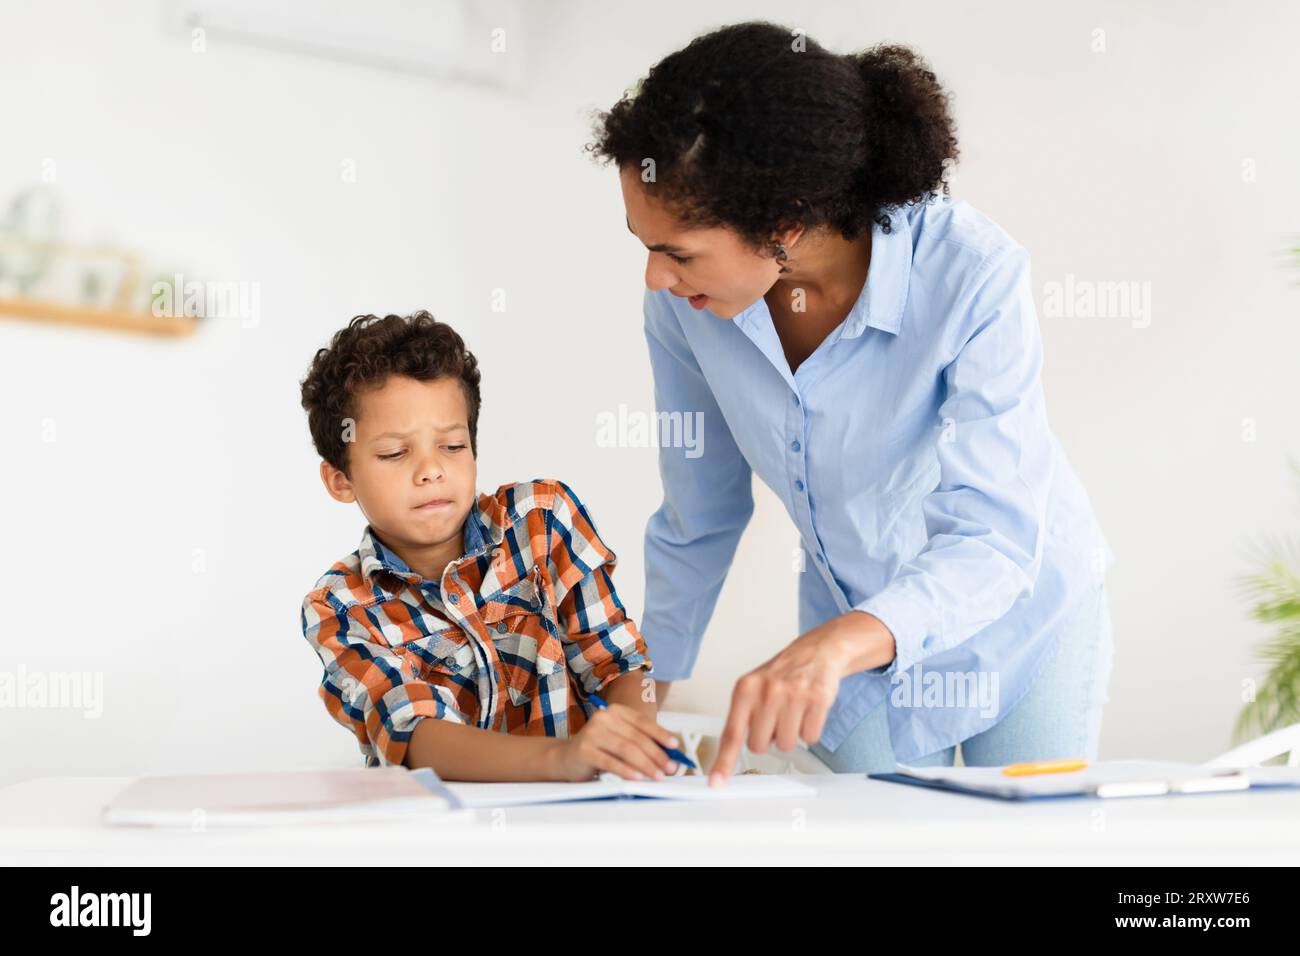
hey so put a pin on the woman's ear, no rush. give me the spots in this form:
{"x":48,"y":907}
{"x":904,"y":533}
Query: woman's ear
{"x":790,"y":236}
{"x":790,"y":233}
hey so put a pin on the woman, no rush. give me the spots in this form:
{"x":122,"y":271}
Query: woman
{"x":870,"y":349}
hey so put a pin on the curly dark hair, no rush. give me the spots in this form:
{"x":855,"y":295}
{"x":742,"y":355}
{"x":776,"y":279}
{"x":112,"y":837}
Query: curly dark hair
{"x":363,"y":354}
{"x":756,"y":127}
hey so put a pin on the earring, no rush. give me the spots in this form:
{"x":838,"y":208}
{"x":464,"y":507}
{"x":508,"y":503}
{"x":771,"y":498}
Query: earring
{"x":781,"y":255}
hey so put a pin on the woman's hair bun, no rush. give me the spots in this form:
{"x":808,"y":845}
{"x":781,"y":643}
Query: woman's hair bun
{"x":910,"y":135}
{"x":755,"y":126}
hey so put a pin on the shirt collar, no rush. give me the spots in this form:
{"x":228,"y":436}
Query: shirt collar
{"x":484,"y":529}
{"x":884,"y":295}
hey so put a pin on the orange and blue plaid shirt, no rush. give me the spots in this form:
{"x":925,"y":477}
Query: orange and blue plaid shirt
{"x":519,"y":631}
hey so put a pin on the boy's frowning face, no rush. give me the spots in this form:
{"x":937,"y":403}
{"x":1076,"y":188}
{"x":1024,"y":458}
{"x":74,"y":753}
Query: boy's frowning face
{"x":411,"y":447}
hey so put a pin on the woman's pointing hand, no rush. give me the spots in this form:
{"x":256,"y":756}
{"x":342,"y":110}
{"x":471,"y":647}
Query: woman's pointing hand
{"x":786,"y":699}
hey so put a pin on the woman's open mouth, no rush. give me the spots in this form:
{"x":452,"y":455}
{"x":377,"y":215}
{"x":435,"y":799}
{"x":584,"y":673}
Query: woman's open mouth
{"x":698,"y":301}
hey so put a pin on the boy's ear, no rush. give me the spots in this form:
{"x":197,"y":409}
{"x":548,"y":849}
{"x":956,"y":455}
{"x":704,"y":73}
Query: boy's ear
{"x":336,"y":483}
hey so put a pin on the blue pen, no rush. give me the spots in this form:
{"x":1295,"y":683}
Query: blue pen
{"x":681,"y":758}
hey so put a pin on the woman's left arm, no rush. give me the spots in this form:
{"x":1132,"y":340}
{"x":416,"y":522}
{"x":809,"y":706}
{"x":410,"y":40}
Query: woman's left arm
{"x":986,"y":522}
{"x":987,"y":519}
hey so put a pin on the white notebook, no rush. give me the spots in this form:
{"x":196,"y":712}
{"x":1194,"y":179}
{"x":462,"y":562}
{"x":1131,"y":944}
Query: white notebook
{"x":738,"y":787}
{"x":281,"y":798}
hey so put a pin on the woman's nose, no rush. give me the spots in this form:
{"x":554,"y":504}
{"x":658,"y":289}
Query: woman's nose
{"x":657,"y":276}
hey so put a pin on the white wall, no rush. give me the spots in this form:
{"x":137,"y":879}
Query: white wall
{"x":1119,"y":165}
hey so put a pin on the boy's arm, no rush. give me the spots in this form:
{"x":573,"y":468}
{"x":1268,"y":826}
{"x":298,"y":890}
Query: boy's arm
{"x":636,"y":689}
{"x":614,"y":741}
{"x":460,"y":752}
{"x":661,"y":692}
{"x":370,"y":687}
{"x":603,"y":647}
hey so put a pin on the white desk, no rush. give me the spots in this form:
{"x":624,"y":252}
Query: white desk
{"x":55,"y":820}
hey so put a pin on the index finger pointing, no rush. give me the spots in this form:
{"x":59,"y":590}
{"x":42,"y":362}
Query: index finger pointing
{"x":733,"y":737}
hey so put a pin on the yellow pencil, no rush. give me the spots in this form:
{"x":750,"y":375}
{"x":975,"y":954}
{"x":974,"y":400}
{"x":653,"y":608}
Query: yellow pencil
{"x":1043,"y":766}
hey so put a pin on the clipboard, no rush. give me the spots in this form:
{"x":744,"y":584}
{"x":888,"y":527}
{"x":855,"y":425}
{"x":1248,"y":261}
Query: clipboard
{"x":1105,"y":780}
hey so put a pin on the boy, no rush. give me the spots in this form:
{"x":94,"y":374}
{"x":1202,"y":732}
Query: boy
{"x":467,"y":631}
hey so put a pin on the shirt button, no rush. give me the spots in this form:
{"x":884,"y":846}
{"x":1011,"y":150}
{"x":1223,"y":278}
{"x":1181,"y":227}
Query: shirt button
{"x":796,"y":399}
{"x":501,"y":628}
{"x":454,"y":598}
{"x":821,"y":558}
{"x":795,"y":446}
{"x":798,"y":486}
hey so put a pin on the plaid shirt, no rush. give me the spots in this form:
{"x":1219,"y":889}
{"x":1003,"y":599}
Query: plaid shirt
{"x":523,"y":626}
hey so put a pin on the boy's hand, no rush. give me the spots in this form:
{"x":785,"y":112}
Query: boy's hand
{"x":617,"y":739}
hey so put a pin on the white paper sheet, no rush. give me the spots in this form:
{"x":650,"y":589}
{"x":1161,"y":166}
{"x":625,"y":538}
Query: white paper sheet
{"x":739,"y":787}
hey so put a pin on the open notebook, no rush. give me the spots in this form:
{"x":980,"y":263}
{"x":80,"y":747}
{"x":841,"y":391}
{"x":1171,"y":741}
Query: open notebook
{"x":198,"y":801}
{"x":738,"y":787}
{"x":1113,"y":778}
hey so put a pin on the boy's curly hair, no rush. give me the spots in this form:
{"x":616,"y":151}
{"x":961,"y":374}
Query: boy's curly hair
{"x":363,"y":354}
{"x":758,"y":128}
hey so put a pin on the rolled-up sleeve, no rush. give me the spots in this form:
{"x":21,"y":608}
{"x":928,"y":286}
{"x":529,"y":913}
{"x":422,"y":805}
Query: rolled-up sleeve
{"x":986,"y":518}
{"x":369,"y":687}
{"x":691,"y":539}
{"x":600,"y":641}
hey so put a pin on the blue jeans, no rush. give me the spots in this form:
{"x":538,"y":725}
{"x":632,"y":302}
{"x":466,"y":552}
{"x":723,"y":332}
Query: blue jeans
{"x":1059,"y":716}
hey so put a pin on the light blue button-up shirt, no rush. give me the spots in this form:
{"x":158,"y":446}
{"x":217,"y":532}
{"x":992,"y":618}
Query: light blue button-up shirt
{"x":912,"y":451}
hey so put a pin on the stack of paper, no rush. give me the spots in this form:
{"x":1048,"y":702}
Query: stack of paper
{"x":199,"y":801}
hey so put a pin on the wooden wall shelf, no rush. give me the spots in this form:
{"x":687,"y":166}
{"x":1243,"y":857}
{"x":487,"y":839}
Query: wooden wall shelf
{"x":140,"y":322}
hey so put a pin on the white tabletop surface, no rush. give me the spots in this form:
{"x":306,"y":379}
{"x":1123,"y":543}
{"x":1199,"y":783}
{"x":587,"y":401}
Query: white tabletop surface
{"x":852,"y":820}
